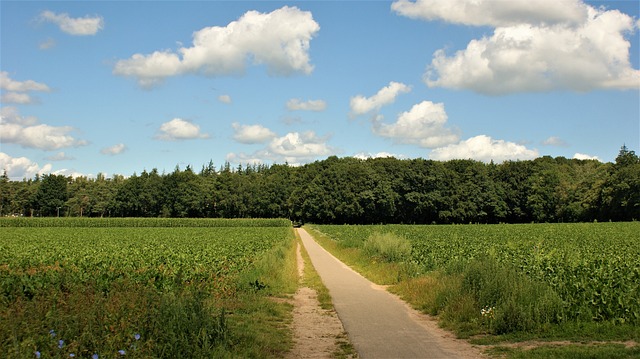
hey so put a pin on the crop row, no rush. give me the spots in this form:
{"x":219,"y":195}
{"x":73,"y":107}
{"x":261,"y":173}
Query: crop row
{"x":594,"y":267}
{"x":141,"y":222}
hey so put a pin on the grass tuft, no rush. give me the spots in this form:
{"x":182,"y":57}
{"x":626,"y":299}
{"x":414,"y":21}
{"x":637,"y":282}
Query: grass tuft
{"x":388,"y":247}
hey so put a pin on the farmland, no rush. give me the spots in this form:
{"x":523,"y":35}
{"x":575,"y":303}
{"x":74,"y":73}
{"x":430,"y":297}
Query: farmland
{"x":584,"y":272}
{"x":144,"y":287}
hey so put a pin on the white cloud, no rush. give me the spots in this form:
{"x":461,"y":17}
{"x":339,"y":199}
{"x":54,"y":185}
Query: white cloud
{"x":367,"y":155}
{"x":294,"y":148}
{"x":243,"y":158}
{"x":485,"y":12}
{"x":21,"y":167}
{"x":10,"y":114}
{"x":6,"y":83}
{"x":179,"y":129}
{"x":71,"y":173}
{"x":26,"y":132}
{"x":114,"y":150}
{"x":483,"y":148}
{"x":280,"y":40}
{"x":312,"y":105}
{"x":423,"y":125}
{"x":555,"y":141}
{"x":566,"y":45}
{"x":17,"y":98}
{"x":60,"y":156}
{"x":582,"y":156}
{"x":387,"y":95}
{"x":295,"y":145}
{"x":80,"y":26}
{"x":251,"y":134}
{"x":224,"y":98}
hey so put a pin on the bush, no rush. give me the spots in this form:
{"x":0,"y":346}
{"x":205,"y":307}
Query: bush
{"x":388,"y":247}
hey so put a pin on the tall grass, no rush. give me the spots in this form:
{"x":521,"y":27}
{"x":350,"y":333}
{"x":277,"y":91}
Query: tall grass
{"x":387,"y":246}
{"x":483,"y":296}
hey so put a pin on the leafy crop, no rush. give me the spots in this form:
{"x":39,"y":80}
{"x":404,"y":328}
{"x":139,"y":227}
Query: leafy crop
{"x":151,"y":291}
{"x":593,"y":267}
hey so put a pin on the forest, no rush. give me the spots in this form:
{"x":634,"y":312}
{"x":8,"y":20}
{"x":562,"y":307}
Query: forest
{"x":350,"y":191}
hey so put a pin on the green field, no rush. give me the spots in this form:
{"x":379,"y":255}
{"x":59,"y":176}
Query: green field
{"x":203,"y":288}
{"x":145,"y":287}
{"x":593,"y":267}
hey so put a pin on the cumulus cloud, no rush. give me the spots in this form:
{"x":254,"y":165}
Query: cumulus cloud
{"x":312,"y":105}
{"x":21,"y":167}
{"x":251,"y":134}
{"x":80,"y":26}
{"x":367,"y":155}
{"x":483,"y":148}
{"x":280,"y":40}
{"x":27,"y":132}
{"x":298,"y":146}
{"x":6,"y":83}
{"x":114,"y":150}
{"x":563,"y":45}
{"x":17,"y":91}
{"x":423,"y":125}
{"x":387,"y":95}
{"x":555,"y":141}
{"x":486,"y":13}
{"x":16,"y":98}
{"x":294,"y":148}
{"x":582,"y":156}
{"x":179,"y":129}
{"x":224,"y":98}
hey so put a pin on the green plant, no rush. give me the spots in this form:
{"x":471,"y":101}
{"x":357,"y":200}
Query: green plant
{"x":387,"y":246}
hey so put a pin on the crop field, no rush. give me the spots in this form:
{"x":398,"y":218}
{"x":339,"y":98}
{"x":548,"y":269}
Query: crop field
{"x":593,"y":267}
{"x":135,"y":287}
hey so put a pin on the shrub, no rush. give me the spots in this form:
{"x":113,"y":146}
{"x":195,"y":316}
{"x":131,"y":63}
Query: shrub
{"x":387,"y":246}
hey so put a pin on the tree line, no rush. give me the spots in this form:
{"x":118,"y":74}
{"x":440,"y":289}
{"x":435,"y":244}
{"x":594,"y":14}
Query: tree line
{"x":350,"y":190}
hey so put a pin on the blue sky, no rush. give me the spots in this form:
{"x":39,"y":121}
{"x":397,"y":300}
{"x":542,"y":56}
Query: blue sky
{"x":119,"y":87}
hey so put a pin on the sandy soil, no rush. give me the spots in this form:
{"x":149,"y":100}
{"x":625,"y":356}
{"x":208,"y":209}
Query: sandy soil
{"x":316,"y":331}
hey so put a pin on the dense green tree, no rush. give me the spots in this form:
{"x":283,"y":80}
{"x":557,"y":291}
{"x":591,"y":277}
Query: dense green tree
{"x":350,"y":190}
{"x":51,"y":195}
{"x":621,"y":193}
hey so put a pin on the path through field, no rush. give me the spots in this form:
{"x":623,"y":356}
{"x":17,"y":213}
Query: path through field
{"x":379,"y":324}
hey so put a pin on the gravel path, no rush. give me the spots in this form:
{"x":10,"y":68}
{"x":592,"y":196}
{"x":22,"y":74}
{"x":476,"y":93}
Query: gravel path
{"x":379,"y":324}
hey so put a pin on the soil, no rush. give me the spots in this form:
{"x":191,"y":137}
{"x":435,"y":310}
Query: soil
{"x":317,"y":332}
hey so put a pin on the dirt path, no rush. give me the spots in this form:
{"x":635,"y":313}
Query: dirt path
{"x":316,"y":330}
{"x":379,"y":324}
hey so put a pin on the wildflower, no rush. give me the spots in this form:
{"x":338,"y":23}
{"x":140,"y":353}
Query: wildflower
{"x":488,"y":312}
{"x":94,"y":356}
{"x":137,"y":336}
{"x":60,"y":343}
{"x":37,"y":354}
{"x":121,"y":352}
{"x":52,"y":333}
{"x":72,"y":355}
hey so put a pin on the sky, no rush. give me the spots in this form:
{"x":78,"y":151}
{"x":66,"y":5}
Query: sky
{"x":119,"y":87}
